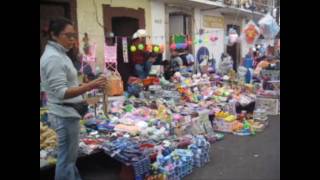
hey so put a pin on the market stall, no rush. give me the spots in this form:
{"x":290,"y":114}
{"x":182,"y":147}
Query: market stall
{"x":169,"y":128}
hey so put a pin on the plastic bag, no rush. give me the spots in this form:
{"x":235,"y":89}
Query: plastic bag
{"x":268,"y":27}
{"x":114,"y":85}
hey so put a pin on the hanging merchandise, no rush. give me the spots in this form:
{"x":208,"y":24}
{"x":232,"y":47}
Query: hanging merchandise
{"x":213,"y":38}
{"x":189,"y":41}
{"x":149,"y":48}
{"x":141,"y":47}
{"x":133,"y":48}
{"x":173,"y":46}
{"x":268,"y":27}
{"x":110,"y":54}
{"x":179,"y":42}
{"x":161,"y":46}
{"x":250,"y":33}
{"x":89,"y":57}
{"x":179,"y":38}
{"x":156,"y":49}
{"x":206,"y":39}
{"x":114,"y":86}
{"x":233,"y":36}
{"x":125,"y":50}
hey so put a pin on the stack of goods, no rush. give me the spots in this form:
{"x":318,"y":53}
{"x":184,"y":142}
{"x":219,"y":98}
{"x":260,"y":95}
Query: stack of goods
{"x":175,"y":165}
{"x":129,"y":152}
{"x":90,"y":145}
{"x":200,"y":149}
{"x":48,"y":144}
{"x":48,"y":138}
{"x":224,"y":122}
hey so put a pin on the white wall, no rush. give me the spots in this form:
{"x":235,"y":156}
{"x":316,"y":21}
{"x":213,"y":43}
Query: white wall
{"x":158,"y":23}
{"x":216,"y":48}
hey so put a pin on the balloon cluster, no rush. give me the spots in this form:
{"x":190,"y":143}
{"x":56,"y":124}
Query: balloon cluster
{"x":148,"y":48}
{"x":189,"y":42}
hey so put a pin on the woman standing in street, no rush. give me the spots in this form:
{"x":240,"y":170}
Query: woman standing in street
{"x":59,"y":78}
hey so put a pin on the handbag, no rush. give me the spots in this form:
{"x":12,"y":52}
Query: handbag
{"x":81,"y":108}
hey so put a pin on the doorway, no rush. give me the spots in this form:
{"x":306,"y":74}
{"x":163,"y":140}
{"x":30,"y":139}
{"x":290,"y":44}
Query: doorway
{"x":234,"y":50}
{"x":123,"y":22}
{"x":124,"y":26}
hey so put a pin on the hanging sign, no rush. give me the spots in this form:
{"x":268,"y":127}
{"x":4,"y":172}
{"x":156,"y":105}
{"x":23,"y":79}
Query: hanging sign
{"x":125,"y":50}
{"x":213,"y":21}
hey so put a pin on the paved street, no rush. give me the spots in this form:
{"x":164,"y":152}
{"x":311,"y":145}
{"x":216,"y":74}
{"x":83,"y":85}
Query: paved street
{"x":234,"y":158}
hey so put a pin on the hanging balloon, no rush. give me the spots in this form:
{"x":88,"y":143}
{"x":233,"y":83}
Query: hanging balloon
{"x":156,"y":49}
{"x":179,"y":45}
{"x":173,"y":46}
{"x":133,"y":48}
{"x":140,"y":46}
{"x":206,"y":40}
{"x":184,"y":45}
{"x":195,"y":41}
{"x":149,"y":48}
{"x":161,"y":46}
{"x":200,"y":41}
{"x":213,"y":38}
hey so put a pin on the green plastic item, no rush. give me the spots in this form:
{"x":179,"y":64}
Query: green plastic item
{"x":129,"y":108}
{"x":179,"y":39}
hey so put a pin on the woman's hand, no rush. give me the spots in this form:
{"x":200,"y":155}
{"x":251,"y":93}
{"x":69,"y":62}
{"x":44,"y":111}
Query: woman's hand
{"x":99,"y":82}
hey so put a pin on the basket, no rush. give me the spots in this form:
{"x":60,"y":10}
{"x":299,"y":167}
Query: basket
{"x":141,"y":168}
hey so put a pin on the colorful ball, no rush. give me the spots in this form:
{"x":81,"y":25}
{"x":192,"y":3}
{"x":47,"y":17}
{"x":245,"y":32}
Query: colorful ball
{"x":184,"y":45}
{"x":161,"y":47}
{"x":179,"y":45}
{"x":140,"y":46}
{"x":133,"y":48}
{"x":213,"y":38}
{"x":173,"y":46}
{"x":156,"y":49}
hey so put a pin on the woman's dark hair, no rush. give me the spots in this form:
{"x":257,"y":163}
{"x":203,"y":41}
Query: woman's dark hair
{"x":57,"y":25}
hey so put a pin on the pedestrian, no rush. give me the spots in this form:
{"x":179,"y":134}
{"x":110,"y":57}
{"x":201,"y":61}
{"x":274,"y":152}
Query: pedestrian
{"x":59,"y":78}
{"x":176,"y":62}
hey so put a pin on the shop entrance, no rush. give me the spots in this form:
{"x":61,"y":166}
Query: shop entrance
{"x":122,"y":22}
{"x":124,"y":26}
